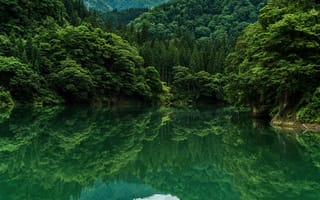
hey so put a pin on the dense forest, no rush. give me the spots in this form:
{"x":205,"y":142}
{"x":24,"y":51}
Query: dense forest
{"x":52,"y":53}
{"x":254,"y":53}
{"x":275,"y":66}
{"x":192,"y":40}
{"x":196,"y":34}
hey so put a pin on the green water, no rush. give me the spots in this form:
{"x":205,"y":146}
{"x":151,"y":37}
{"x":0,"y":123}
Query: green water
{"x":126,"y":153}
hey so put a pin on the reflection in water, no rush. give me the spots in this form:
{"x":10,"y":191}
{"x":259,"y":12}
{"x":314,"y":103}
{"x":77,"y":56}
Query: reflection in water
{"x":125,"y":154}
{"x":116,"y":190}
{"x":159,"y":197}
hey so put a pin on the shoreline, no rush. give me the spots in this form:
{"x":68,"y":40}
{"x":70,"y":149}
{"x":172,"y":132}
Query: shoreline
{"x":295,"y":126}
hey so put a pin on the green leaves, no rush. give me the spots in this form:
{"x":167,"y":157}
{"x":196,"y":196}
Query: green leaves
{"x":153,"y":80}
{"x":72,"y":64}
{"x":199,"y":17}
{"x":19,"y":79}
{"x":195,"y":34}
{"x":74,"y":83}
{"x":5,"y":98}
{"x":310,"y":112}
{"x":278,"y":56}
{"x":198,"y":85}
{"x":105,"y":63}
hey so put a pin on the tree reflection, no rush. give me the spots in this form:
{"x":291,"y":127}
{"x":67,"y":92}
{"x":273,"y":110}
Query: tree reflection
{"x":55,"y":153}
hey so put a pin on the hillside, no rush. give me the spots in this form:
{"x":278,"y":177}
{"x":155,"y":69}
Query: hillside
{"x":108,"y":5}
{"x":195,"y":35}
{"x":214,"y":19}
{"x":57,"y":51}
{"x":275,"y":66}
{"x":53,"y":53}
{"x":100,"y":5}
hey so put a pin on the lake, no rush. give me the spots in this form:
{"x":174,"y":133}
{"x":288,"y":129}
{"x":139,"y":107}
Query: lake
{"x":83,"y":153}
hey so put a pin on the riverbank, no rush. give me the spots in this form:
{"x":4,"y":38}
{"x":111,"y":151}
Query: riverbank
{"x":295,"y":126}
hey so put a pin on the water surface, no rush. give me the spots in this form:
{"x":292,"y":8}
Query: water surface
{"x":207,"y":153}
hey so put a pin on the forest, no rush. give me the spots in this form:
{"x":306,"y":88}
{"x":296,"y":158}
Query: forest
{"x":65,"y":58}
{"x":249,"y":53}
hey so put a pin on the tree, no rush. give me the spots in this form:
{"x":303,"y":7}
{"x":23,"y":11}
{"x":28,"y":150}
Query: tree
{"x":23,"y":83}
{"x":74,"y":83}
{"x":275,"y":61}
{"x":153,"y":80}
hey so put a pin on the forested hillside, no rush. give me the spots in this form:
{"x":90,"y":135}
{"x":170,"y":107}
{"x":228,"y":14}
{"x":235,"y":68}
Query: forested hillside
{"x":175,"y":99}
{"x":188,"y":42}
{"x":54,"y":52}
{"x":213,"y":19}
{"x":47,"y":57}
{"x":118,"y":19}
{"x":99,"y":5}
{"x":109,"y":5}
{"x":276,"y":64}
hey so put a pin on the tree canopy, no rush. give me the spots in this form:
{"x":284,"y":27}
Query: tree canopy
{"x":276,"y":60}
{"x":194,"y":34}
{"x":52,"y":52}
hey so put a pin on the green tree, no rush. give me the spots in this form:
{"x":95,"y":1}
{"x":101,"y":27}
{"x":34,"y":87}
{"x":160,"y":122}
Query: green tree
{"x":23,"y":83}
{"x":74,"y":83}
{"x":275,"y":62}
{"x":153,"y":80}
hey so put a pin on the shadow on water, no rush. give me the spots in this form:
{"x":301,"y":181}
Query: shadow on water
{"x":81,"y":153}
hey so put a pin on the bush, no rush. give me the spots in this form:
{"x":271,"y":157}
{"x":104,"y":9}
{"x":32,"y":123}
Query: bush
{"x":311,"y":112}
{"x":18,"y":78}
{"x":5,"y":98}
{"x":73,"y":83}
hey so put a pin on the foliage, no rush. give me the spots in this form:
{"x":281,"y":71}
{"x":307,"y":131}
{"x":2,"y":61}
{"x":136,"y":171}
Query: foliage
{"x":73,"y":82}
{"x":310,"y":112}
{"x":59,"y":58}
{"x":208,"y":18}
{"x":195,"y":86}
{"x":196,"y":55}
{"x":22,"y":82}
{"x":16,"y":15}
{"x":153,"y":80}
{"x":101,"y":64}
{"x":77,"y":13}
{"x":5,"y":98}
{"x":5,"y":45}
{"x":276,"y":58}
{"x":194,"y":34}
{"x":117,"y":19}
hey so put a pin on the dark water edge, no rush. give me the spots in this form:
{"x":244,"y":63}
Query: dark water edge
{"x":124,"y":153}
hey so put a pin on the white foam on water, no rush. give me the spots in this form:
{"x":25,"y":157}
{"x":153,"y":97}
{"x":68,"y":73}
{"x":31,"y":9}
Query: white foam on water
{"x":159,"y":197}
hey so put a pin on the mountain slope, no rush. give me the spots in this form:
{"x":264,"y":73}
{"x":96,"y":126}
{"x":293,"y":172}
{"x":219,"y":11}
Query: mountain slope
{"x":205,"y":18}
{"x":108,"y":5}
{"x":100,"y":5}
{"x":50,"y":53}
{"x":197,"y":34}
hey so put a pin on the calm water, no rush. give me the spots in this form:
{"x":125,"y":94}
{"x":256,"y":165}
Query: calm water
{"x":155,"y":154}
